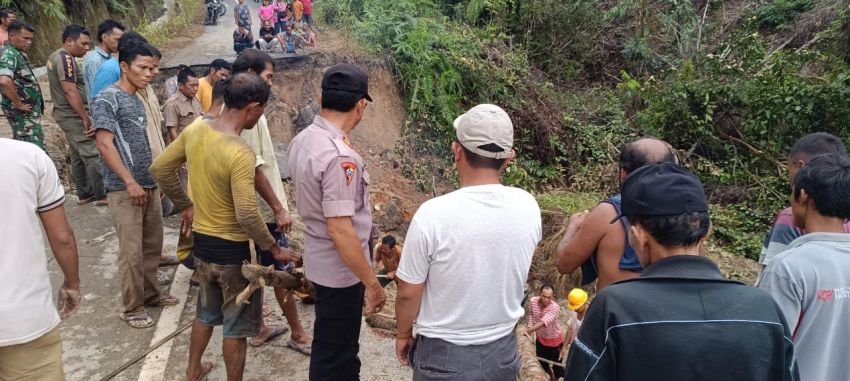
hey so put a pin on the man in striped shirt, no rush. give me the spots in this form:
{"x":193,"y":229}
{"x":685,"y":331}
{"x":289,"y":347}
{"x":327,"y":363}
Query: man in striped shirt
{"x":544,"y":322}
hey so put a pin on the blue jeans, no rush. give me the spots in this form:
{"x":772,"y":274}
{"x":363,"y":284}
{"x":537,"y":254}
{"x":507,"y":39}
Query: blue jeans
{"x":436,"y":359}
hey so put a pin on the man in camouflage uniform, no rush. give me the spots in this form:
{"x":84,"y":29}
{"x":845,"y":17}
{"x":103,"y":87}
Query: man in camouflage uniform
{"x":23,"y":104}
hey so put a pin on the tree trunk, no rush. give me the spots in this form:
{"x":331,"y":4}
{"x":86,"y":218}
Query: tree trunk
{"x":529,"y":367}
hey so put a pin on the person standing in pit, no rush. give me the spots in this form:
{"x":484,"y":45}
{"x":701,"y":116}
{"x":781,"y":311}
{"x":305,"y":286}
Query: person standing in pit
{"x":543,"y":323}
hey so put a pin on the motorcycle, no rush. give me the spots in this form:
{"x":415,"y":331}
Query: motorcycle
{"x":215,"y":9}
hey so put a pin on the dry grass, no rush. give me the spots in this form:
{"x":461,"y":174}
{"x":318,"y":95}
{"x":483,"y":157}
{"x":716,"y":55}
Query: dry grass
{"x":556,"y":208}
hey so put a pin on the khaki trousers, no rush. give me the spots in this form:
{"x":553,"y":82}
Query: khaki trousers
{"x":139,"y":232}
{"x":38,"y":360}
{"x":85,"y":159}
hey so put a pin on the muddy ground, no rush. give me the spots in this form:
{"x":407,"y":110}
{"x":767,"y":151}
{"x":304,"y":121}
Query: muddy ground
{"x":97,"y":343}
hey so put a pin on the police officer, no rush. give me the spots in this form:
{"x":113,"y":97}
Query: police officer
{"x":332,"y":195}
{"x":67,"y":89}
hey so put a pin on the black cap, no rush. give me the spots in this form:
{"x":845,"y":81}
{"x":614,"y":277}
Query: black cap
{"x":665,"y":189}
{"x":347,"y":77}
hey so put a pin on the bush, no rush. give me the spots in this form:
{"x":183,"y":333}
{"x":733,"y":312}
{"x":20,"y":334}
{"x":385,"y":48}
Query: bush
{"x":444,"y":66}
{"x":740,"y":229}
{"x":780,"y":13}
{"x":742,"y":111}
{"x":182,"y":15}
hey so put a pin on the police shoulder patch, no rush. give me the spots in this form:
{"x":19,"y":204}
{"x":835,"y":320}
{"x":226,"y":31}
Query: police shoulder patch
{"x":349,"y":169}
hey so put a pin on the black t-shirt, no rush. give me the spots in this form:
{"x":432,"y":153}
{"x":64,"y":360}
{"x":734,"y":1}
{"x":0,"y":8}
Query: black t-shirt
{"x":267,"y":34}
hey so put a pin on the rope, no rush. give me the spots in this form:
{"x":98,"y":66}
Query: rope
{"x":136,"y":359}
{"x":562,"y":365}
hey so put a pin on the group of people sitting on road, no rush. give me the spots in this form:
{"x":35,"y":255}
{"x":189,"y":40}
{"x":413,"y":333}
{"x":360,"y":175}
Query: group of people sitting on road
{"x":284,"y":25}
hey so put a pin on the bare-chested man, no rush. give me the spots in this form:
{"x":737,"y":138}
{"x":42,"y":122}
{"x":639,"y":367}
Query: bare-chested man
{"x":592,"y":241}
{"x":388,"y":254}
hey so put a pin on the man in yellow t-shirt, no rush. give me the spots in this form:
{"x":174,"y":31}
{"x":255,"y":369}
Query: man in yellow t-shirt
{"x":223,"y":216}
{"x":219,"y":70}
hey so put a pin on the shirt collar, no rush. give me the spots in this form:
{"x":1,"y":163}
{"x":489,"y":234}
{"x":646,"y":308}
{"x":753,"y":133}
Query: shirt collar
{"x":328,"y":126}
{"x":183,"y":98}
{"x":812,"y":237}
{"x":10,"y":46}
{"x":683,"y":267}
{"x":102,"y":52}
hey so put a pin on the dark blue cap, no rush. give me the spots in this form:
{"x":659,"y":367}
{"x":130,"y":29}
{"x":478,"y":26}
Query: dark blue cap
{"x":665,"y":189}
{"x":347,"y":77}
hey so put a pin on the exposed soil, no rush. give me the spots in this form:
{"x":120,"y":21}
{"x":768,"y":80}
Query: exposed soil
{"x":97,"y":342}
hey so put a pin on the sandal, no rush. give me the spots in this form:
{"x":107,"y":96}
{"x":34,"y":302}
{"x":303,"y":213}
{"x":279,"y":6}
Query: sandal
{"x":165,"y":301}
{"x":138,"y":321}
{"x":276,"y":332}
{"x":101,"y":202}
{"x":304,"y":349}
{"x":206,"y":368}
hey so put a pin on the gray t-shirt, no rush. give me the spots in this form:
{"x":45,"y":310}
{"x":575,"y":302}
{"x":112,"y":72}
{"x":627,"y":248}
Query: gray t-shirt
{"x":811,"y":283}
{"x":123,"y":114}
{"x":472,"y":248}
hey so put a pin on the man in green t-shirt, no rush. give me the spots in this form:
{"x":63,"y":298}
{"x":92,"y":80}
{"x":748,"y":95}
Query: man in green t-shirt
{"x":67,"y":88}
{"x":22,"y":104}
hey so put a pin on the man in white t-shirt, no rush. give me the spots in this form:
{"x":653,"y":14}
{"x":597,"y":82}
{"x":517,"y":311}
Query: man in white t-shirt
{"x":465,"y":261}
{"x":32,"y":197}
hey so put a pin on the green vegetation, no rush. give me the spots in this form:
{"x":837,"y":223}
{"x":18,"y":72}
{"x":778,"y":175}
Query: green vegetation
{"x":50,"y":9}
{"x":567,"y":203}
{"x":51,"y":16}
{"x":184,"y":14}
{"x":729,"y":85}
{"x":781,"y":12}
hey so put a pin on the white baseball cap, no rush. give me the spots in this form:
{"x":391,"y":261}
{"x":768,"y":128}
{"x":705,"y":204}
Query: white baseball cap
{"x":486,"y":130}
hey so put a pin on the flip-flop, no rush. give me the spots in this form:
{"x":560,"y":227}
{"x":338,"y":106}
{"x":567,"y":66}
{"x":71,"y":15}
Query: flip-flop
{"x":304,"y":349}
{"x":87,"y":200}
{"x":101,"y":202}
{"x":165,"y":301}
{"x":140,"y":321}
{"x":206,"y":368}
{"x":276,"y":332}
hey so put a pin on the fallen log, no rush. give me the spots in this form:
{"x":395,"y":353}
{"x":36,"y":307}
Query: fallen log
{"x":381,"y":321}
{"x":259,"y":277}
{"x":529,"y":366}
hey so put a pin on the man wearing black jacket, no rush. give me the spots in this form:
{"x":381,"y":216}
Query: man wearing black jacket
{"x":680,"y":320}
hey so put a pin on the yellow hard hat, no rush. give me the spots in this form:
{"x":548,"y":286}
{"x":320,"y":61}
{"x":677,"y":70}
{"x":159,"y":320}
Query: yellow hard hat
{"x":576,"y":298}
